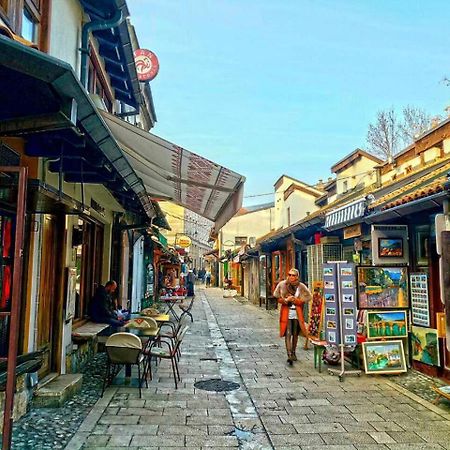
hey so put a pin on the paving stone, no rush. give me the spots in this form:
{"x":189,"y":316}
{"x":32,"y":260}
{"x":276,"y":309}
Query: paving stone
{"x":315,"y":410}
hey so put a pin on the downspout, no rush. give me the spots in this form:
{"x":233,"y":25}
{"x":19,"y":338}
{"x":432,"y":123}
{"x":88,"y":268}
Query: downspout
{"x":90,"y":27}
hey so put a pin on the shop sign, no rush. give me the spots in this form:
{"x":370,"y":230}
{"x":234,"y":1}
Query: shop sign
{"x":147,"y":64}
{"x":353,"y":231}
{"x":183,"y":241}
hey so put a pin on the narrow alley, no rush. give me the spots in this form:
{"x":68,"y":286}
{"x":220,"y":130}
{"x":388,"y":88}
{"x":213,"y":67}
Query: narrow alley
{"x":275,"y":406}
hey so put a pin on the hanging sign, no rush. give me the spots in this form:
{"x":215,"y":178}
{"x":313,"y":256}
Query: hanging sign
{"x":353,"y":231}
{"x":147,"y":64}
{"x":183,"y":241}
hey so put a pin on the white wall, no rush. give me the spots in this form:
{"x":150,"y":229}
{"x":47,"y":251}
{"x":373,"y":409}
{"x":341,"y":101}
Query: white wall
{"x":65,"y":32}
{"x":300,"y":203}
{"x":360,"y":172}
{"x":255,"y":224}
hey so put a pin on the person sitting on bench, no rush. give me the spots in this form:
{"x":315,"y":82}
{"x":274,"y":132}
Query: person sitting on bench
{"x":102,"y":305}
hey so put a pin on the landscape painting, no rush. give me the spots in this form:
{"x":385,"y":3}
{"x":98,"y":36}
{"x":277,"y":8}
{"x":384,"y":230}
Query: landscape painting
{"x":390,"y":247}
{"x":384,"y":357}
{"x":425,"y":345}
{"x":382,"y":287}
{"x":387,"y":324}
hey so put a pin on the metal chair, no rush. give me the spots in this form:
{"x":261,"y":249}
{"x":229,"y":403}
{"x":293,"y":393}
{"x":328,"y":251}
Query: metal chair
{"x":123,"y":349}
{"x":170,"y":352}
{"x":186,"y":309}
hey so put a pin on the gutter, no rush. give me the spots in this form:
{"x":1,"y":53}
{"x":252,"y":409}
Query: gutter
{"x":90,"y":27}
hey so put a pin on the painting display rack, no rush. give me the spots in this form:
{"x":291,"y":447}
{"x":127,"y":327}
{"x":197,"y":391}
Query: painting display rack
{"x":340,"y":311}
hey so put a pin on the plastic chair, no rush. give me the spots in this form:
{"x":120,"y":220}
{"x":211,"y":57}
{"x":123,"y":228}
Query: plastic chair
{"x":170,"y":352}
{"x":123,"y":349}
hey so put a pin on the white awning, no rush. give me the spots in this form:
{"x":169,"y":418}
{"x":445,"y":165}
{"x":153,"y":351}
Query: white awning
{"x":171,"y":173}
{"x":345,"y":215}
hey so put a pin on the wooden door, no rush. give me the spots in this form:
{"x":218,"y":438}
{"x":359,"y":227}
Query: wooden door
{"x":48,"y":292}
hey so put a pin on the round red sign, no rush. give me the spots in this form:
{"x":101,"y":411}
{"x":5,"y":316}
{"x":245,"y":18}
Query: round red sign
{"x":147,"y":65}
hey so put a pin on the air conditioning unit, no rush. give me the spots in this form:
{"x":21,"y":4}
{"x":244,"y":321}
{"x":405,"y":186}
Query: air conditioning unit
{"x":252,"y":241}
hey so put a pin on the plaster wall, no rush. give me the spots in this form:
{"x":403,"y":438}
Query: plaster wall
{"x":301,"y":204}
{"x":65,"y":33}
{"x":255,"y":224}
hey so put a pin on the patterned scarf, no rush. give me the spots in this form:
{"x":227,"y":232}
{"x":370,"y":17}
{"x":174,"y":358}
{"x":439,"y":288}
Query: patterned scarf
{"x":292,"y":287}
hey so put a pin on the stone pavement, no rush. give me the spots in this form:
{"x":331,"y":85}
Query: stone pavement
{"x":276,"y":406}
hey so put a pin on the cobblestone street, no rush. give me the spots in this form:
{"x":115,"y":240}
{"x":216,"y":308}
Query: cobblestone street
{"x":276,"y":406}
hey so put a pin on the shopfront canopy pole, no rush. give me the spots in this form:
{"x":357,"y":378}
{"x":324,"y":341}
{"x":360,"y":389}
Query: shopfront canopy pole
{"x":15,"y":302}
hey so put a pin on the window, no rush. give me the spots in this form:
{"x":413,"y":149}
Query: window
{"x":289,"y":216}
{"x":240,"y":240}
{"x":345,"y":186}
{"x":97,"y":83}
{"x":29,"y":26}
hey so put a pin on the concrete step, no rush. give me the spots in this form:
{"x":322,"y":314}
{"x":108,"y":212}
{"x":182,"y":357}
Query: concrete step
{"x":54,"y":393}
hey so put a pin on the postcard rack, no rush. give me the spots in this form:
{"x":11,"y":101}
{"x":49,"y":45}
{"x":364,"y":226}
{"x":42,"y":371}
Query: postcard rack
{"x":340,"y":311}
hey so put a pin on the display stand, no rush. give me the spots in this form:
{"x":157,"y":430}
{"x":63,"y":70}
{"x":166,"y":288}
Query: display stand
{"x":340,"y":311}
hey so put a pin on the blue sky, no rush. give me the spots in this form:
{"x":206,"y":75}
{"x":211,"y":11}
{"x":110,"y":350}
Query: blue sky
{"x":267,"y":87}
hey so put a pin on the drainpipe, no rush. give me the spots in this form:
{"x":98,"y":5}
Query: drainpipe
{"x":90,"y":27}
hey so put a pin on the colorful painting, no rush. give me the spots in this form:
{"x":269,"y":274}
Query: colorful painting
{"x":384,"y":357}
{"x":328,"y":272}
{"x":348,"y":298}
{"x":331,"y":312}
{"x":347,"y":285}
{"x":425,"y":345}
{"x":350,"y":339}
{"x":316,"y":311}
{"x":329,"y":298}
{"x":329,"y":284}
{"x":382,"y":287}
{"x":348,"y":311}
{"x":387,"y":324}
{"x":390,"y":247}
{"x":332,"y":324}
{"x":346,"y":271}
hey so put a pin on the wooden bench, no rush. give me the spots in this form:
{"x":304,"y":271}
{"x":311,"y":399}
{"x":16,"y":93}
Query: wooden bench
{"x":88,"y":331}
{"x":442,"y":391}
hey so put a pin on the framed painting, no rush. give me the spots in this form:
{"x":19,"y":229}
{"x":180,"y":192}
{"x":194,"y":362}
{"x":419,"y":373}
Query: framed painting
{"x":316,"y":311}
{"x":425,"y":345}
{"x":387,"y":324}
{"x":384,"y":357}
{"x":390,"y":247}
{"x":382,"y":287}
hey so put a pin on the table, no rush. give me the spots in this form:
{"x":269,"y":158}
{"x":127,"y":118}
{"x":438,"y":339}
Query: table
{"x":170,"y":302}
{"x":148,"y":334}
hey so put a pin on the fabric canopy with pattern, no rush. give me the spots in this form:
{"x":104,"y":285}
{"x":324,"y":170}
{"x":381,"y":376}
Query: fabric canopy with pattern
{"x":170,"y":172}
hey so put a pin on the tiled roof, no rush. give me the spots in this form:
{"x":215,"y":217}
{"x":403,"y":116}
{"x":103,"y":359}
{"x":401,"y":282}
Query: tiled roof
{"x":424,"y":191}
{"x":426,"y":185}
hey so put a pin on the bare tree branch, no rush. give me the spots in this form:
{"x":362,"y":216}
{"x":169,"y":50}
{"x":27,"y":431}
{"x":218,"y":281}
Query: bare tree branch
{"x":415,"y":122}
{"x":383,"y":137}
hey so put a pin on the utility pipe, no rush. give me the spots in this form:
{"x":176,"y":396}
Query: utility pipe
{"x":90,"y":27}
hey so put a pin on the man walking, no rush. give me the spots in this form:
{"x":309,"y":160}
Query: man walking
{"x":292,"y":295}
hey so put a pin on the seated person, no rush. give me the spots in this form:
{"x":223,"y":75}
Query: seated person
{"x":102,"y":305}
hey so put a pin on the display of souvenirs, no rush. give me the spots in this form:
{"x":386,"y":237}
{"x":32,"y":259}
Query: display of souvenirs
{"x":420,"y":307}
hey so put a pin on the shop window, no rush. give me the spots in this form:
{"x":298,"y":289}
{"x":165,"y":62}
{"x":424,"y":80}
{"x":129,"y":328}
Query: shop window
{"x":278,"y":267}
{"x":422,"y":238}
{"x":6,"y":266}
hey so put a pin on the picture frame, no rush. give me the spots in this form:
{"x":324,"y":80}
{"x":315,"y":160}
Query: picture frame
{"x":390,"y":247}
{"x":383,"y":287}
{"x":425,"y":345}
{"x":384,"y":357}
{"x":387,"y":324}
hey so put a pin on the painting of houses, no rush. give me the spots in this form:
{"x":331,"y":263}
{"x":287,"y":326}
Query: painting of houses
{"x":384,"y":357}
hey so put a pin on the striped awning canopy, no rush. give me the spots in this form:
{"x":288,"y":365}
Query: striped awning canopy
{"x":345,"y":215}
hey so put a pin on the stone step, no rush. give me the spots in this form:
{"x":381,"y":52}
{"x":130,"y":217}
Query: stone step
{"x":54,"y":393}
